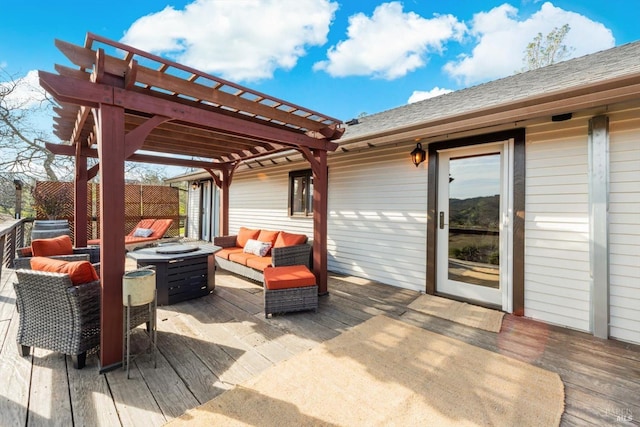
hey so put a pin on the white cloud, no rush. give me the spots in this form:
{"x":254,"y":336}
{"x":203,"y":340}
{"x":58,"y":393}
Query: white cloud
{"x":420,"y":95}
{"x":237,"y":42}
{"x":389,"y":44}
{"x":25,"y":92}
{"x":502,"y":40}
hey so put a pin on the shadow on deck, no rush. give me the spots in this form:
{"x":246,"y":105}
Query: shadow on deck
{"x":209,"y":344}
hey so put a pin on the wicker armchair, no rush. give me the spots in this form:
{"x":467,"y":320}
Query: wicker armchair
{"x":59,"y":316}
{"x":56,"y":315}
{"x":90,"y":253}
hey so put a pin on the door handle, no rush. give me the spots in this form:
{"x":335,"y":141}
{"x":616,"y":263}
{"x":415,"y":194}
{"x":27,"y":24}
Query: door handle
{"x":441,"y":220}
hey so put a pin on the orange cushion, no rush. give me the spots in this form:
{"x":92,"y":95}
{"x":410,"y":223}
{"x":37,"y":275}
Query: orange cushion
{"x":259,"y":263}
{"x":242,"y":257}
{"x":245,"y":234}
{"x":79,"y":271}
{"x":225,"y":252}
{"x":144,"y":223}
{"x":60,"y":245}
{"x":268,"y":236}
{"x":289,"y":239}
{"x":160,"y":227}
{"x":293,"y":276}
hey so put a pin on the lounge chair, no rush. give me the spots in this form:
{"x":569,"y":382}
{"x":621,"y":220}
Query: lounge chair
{"x":144,"y":233}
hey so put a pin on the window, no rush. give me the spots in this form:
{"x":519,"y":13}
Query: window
{"x":301,"y":193}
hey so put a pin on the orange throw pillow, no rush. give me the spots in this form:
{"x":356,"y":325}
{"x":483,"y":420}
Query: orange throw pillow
{"x":60,"y":245}
{"x":79,"y":271}
{"x":268,"y":236}
{"x":244,"y":235}
{"x":289,"y":239}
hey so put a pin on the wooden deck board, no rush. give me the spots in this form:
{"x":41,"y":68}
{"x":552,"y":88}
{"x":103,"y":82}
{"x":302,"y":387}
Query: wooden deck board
{"x":207,"y":345}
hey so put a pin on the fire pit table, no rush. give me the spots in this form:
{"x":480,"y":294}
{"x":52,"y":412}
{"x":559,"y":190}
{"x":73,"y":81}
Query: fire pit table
{"x":182,"y":271}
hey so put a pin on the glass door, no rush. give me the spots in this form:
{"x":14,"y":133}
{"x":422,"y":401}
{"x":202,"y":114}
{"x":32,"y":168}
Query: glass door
{"x":472,"y":211}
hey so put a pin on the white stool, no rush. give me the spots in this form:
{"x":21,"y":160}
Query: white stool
{"x":139,"y":289}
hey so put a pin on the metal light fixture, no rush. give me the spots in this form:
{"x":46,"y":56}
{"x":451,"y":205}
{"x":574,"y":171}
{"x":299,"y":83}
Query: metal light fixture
{"x":195,"y":185}
{"x":418,"y":155}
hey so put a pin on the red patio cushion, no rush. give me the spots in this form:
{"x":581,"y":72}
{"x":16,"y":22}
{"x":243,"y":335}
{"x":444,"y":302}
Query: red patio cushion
{"x":79,"y":271}
{"x":245,"y":234}
{"x":225,"y":252}
{"x":259,"y":263}
{"x":241,"y":257}
{"x":268,"y":236}
{"x":60,"y":245}
{"x":292,"y":276}
{"x":289,"y":239}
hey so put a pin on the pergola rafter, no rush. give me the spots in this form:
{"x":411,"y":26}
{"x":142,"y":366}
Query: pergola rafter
{"x":140,"y":107}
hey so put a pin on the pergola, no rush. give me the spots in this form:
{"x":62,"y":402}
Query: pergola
{"x":140,"y":107}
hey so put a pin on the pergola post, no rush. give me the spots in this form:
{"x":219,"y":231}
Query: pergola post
{"x":80,"y":199}
{"x":111,"y":151}
{"x":225,"y":184}
{"x":320,"y":208}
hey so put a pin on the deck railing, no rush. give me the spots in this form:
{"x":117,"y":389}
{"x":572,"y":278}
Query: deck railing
{"x":12,"y":236}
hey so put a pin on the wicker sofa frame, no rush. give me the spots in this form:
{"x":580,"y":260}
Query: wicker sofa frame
{"x":288,"y":255}
{"x":59,"y":316}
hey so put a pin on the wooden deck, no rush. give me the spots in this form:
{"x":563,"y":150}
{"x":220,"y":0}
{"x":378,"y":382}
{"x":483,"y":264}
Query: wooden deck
{"x":209,"y":344}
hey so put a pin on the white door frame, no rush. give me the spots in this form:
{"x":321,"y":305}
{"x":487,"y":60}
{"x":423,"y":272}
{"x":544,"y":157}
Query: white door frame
{"x":504,"y":296}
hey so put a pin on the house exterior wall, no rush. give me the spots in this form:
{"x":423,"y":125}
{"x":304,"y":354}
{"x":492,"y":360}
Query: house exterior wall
{"x":378,"y":218}
{"x":624,"y":226}
{"x":557,"y":280}
{"x":258,"y":199}
{"x":193,"y":214}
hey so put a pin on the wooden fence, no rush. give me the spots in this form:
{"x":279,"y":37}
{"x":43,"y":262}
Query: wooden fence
{"x":141,"y":201}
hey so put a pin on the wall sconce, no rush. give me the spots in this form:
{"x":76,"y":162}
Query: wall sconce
{"x":418,"y":155}
{"x":195,"y":185}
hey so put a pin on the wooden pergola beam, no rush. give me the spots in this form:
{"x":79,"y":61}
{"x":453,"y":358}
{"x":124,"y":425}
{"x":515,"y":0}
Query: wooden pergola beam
{"x":71,"y":90}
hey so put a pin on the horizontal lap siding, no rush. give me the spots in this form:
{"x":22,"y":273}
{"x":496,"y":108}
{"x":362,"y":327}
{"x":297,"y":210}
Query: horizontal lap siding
{"x":193,"y":220}
{"x":557,"y":278}
{"x":377,"y":217}
{"x":624,"y":227}
{"x":259,"y":200}
{"x":377,"y":213}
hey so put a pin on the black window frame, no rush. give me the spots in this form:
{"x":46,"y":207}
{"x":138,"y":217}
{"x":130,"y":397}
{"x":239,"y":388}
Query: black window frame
{"x":307,"y":193}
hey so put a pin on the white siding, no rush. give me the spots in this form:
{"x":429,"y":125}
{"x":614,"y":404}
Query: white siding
{"x":259,"y":200}
{"x":624,"y":227}
{"x":377,"y":217}
{"x":557,"y":278}
{"x":193,"y":212}
{"x":377,"y":213}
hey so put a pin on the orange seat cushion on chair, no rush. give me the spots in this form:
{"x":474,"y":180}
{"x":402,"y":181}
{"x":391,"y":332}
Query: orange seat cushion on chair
{"x":79,"y":271}
{"x":60,"y":245}
{"x":287,"y":277}
{"x":144,"y":223}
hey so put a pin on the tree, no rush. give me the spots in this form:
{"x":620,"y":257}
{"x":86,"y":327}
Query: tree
{"x":24,"y":107}
{"x":541,"y":53}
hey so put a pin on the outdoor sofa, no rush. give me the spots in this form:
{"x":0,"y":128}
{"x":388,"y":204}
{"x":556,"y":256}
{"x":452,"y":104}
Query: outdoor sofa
{"x":250,"y":251}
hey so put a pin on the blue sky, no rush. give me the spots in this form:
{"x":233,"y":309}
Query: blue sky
{"x":341,"y":58}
